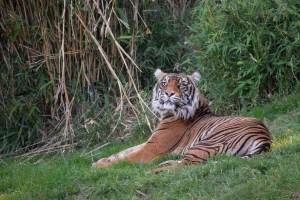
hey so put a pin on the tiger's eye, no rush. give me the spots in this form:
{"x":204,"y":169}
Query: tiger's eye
{"x":164,"y":83}
{"x":182,"y":86}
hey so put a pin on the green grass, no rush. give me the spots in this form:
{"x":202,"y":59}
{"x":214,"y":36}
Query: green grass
{"x":274,"y":175}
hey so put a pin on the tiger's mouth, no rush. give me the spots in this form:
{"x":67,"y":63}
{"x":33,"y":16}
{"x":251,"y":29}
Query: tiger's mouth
{"x":167,"y":100}
{"x":169,"y":104}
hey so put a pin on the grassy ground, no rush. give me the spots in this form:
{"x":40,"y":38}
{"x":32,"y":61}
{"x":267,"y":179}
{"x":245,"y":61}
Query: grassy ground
{"x":275,"y":175}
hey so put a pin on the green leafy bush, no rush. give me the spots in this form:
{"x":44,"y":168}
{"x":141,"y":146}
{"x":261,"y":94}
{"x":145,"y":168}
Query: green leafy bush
{"x":162,"y":47}
{"x":246,"y":50}
{"x":20,"y":113}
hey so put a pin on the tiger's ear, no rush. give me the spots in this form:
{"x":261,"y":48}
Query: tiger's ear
{"x":158,"y":74}
{"x":196,"y":77}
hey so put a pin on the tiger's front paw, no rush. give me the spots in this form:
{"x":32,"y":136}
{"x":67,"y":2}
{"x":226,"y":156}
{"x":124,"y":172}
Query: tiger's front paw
{"x":103,"y":162}
{"x":169,"y":162}
{"x":100,"y":164}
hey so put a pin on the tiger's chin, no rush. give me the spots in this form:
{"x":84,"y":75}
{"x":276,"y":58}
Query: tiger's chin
{"x":169,"y":106}
{"x":183,"y":112}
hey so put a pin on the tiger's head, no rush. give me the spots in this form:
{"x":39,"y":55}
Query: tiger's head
{"x":176,"y":94}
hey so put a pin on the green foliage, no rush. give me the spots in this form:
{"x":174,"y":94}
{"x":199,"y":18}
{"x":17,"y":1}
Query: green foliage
{"x":21,"y":97}
{"x":246,"y":50}
{"x":162,"y":47}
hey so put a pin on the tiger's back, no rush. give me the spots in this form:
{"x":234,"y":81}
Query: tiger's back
{"x":237,"y":136}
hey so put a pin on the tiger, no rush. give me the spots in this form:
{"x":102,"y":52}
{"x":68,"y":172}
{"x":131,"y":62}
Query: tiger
{"x":189,"y":127}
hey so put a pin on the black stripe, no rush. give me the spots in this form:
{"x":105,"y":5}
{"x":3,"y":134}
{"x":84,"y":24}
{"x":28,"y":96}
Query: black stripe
{"x":193,"y":156}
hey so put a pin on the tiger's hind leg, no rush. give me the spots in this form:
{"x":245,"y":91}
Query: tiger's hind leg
{"x":160,"y":169}
{"x":199,"y":153}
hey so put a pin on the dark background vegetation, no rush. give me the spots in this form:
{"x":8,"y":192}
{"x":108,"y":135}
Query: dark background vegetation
{"x":81,"y":72}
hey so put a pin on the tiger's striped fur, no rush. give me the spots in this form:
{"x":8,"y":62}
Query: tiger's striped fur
{"x":189,"y":127}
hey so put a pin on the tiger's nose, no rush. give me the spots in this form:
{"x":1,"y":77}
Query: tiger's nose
{"x":169,"y":93}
